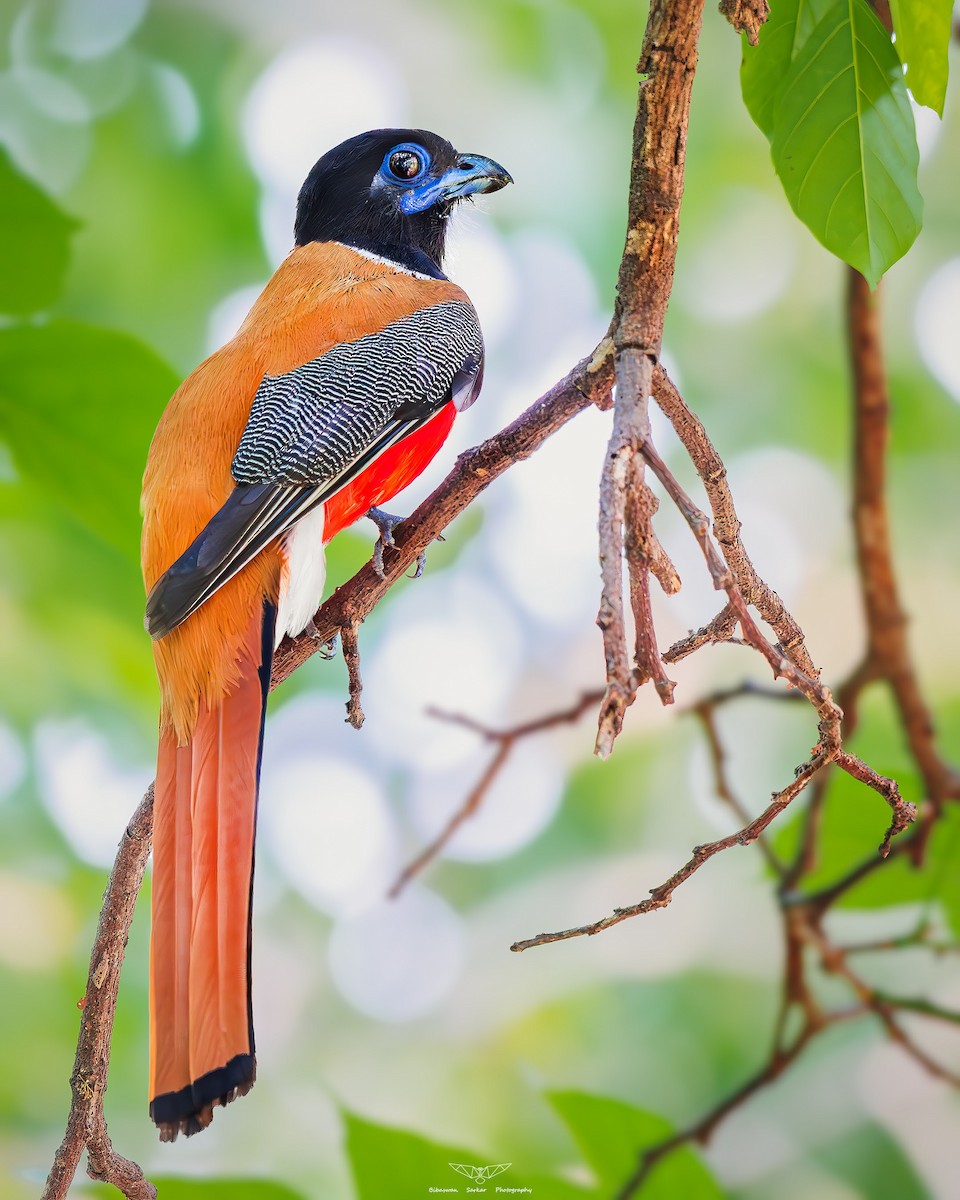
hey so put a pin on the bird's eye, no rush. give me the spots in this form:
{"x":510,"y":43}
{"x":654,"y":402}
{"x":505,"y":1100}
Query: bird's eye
{"x":405,"y":164}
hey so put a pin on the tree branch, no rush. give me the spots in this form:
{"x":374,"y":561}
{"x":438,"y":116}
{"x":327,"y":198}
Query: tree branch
{"x":86,"y":1128}
{"x":505,"y":740}
{"x":666,"y":68}
{"x":887,"y":658}
{"x":726,"y":529}
{"x":887,"y":654}
{"x":661,"y":896}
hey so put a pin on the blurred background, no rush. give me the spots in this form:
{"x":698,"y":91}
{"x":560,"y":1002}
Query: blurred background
{"x":172,"y":139}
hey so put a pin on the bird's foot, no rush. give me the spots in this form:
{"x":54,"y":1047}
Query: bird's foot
{"x":327,"y":648}
{"x":387,"y":523}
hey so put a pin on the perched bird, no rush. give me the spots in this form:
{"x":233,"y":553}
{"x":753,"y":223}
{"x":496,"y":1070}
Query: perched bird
{"x":338,"y":390}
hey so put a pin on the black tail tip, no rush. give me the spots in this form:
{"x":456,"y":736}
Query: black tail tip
{"x":190,"y":1110}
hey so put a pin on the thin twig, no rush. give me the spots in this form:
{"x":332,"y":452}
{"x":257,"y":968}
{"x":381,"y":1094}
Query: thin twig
{"x":720,"y":629}
{"x":701,"y":1131}
{"x":904,"y":812}
{"x":661,"y":896}
{"x":827,"y":896}
{"x":633,"y":380}
{"x":638,"y":541}
{"x":726,"y":524}
{"x":706,"y":712}
{"x":922,"y":935}
{"x":505,"y":741}
{"x":466,"y":810}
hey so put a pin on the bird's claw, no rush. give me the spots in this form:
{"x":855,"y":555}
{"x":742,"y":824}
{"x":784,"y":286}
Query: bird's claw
{"x":387,"y":523}
{"x":327,"y":648}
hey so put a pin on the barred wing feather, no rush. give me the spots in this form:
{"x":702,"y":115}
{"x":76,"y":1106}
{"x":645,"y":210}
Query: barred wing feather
{"x":314,"y":429}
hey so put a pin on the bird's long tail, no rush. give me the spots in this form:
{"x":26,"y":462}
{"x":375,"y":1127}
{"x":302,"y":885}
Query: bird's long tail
{"x":201,"y":1023}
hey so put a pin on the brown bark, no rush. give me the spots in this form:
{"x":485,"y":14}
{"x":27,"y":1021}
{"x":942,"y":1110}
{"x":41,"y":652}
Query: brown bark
{"x":666,"y":68}
{"x":887,"y":654}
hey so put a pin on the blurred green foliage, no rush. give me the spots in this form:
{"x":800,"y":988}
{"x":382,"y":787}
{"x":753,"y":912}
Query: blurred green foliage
{"x":105,"y":293}
{"x":34,"y":243}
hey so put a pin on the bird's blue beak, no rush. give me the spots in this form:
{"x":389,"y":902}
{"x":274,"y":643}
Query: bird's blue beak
{"x":471,"y":175}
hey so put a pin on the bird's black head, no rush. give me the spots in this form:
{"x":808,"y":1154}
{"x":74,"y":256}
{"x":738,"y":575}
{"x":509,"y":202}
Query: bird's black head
{"x":390,"y":191}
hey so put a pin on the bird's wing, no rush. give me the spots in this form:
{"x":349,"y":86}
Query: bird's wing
{"x":314,"y":429}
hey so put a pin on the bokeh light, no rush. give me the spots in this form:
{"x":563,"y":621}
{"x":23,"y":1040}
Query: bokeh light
{"x":398,"y":960}
{"x":84,"y":788}
{"x":936,"y":325}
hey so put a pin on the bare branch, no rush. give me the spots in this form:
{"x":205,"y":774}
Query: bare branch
{"x":638,"y":542}
{"x":706,"y":712}
{"x":904,"y":813}
{"x":720,"y":629}
{"x":667,"y":65}
{"x":351,"y":656}
{"x":922,"y":935}
{"x":505,"y":741}
{"x":773,"y":1068}
{"x":726,"y":524}
{"x":88,"y":1083}
{"x":661,"y":896}
{"x":888,"y":650}
{"x":473,"y":801}
{"x":887,"y":658}
{"x":630,"y":427}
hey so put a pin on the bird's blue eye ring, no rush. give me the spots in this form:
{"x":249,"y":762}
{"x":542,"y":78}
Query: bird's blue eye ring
{"x":406,"y":163}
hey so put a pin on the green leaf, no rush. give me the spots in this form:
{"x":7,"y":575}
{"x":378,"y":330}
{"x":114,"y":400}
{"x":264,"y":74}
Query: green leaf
{"x":872,"y":1163}
{"x":611,"y":1134}
{"x":386,"y":1161}
{"x":764,"y":66}
{"x":943,"y":867}
{"x":923,"y":38}
{"x":34,"y":244}
{"x":394,"y":1162}
{"x":78,"y":406}
{"x":73,"y":614}
{"x":844,"y":143}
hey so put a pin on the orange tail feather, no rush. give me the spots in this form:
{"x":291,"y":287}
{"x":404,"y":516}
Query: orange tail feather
{"x":202,"y":1045}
